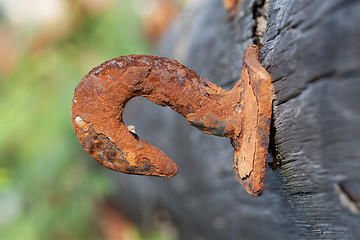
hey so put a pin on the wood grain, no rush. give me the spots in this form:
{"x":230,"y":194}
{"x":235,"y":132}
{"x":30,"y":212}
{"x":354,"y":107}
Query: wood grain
{"x":311,"y":48}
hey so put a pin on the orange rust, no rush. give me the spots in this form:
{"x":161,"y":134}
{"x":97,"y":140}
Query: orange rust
{"x":232,"y":6}
{"x":251,"y":145}
{"x":242,"y":114}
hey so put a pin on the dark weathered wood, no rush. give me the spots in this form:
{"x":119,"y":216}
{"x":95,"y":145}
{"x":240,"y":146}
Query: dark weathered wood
{"x":311,"y":48}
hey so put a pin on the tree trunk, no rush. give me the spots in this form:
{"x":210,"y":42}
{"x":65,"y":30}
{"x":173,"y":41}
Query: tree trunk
{"x":311,"y":49}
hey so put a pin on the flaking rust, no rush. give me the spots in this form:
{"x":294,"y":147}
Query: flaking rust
{"x":251,"y":144}
{"x":242,"y":114}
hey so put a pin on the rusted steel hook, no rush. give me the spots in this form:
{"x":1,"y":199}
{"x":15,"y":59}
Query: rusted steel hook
{"x":242,"y":114}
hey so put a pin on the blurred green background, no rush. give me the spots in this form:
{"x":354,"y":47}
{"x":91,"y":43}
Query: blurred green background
{"x":49,"y":186}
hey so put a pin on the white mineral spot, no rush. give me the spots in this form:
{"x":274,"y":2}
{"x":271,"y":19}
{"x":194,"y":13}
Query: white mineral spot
{"x":132,"y":129}
{"x":79,"y":121}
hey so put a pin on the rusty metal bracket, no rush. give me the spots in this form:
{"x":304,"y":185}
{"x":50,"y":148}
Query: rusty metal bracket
{"x":243,"y":114}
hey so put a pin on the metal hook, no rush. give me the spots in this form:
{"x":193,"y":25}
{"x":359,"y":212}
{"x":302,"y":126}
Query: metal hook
{"x":242,"y":114}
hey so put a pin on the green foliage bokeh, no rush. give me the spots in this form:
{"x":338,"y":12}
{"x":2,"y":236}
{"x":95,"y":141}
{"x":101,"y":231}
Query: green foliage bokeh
{"x":50,"y":185}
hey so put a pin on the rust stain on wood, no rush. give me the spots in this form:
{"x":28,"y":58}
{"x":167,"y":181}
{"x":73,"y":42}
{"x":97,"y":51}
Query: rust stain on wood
{"x":242,"y":114}
{"x":232,"y":6}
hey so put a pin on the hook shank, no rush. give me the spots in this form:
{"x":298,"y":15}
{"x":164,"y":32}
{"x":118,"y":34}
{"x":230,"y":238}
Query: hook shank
{"x":100,"y":98}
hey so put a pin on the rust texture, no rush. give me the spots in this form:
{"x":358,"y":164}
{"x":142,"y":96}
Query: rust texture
{"x":242,"y":114}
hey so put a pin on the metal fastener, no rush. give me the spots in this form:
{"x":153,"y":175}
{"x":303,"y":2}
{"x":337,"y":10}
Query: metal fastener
{"x":243,"y":114}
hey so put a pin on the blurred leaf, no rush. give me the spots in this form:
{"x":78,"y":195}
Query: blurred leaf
{"x":41,"y":162}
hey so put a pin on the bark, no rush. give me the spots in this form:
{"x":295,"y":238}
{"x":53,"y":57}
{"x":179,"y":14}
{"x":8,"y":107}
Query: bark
{"x":311,"y":50}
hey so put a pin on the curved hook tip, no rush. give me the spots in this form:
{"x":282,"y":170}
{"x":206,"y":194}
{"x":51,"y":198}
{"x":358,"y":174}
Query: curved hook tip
{"x":101,"y":96}
{"x":126,"y":160}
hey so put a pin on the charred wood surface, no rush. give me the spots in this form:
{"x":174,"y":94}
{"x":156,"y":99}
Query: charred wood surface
{"x":311,"y":49}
